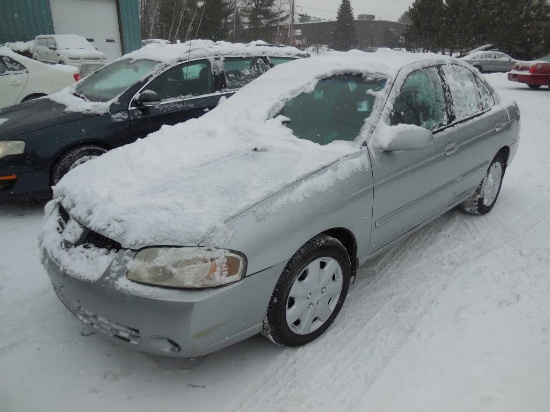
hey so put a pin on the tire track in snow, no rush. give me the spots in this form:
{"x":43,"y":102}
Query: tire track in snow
{"x":384,"y":306}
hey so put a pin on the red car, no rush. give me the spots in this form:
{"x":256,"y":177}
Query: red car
{"x":534,"y":74}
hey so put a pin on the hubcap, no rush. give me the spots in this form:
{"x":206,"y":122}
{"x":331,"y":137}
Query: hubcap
{"x":82,"y":160}
{"x":491,"y":183}
{"x":314,"y":295}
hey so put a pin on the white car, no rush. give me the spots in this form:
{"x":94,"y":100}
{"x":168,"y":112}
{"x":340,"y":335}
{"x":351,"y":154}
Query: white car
{"x":23,"y":79}
{"x":69,"y":49}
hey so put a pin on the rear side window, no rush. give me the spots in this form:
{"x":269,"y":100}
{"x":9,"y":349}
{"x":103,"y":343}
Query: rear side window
{"x":12,"y":65}
{"x":41,"y":42}
{"x":487,"y":98}
{"x":51,"y":43}
{"x":278,"y":60}
{"x":240,"y":71}
{"x":421,"y":101}
{"x":464,"y":91}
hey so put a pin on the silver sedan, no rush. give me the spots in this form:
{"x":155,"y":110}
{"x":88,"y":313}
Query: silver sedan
{"x":255,"y":218}
{"x":490,"y":61}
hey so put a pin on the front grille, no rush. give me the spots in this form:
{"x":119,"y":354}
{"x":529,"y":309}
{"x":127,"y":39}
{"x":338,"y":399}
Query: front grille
{"x":99,"y":323}
{"x":101,"y":242}
{"x":63,"y":219}
{"x":90,"y":237}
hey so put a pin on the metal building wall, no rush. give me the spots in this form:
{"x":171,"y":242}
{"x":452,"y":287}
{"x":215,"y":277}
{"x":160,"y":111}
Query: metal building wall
{"x":130,"y":26}
{"x":23,"y":20}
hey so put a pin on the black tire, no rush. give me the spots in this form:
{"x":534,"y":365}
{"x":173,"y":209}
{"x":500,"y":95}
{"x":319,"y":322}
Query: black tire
{"x":535,"y":86}
{"x":319,"y":250}
{"x":479,"y":203}
{"x":479,"y":68}
{"x":73,"y":158}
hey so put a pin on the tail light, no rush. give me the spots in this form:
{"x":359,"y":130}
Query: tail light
{"x":76,"y":77}
{"x":532,"y":68}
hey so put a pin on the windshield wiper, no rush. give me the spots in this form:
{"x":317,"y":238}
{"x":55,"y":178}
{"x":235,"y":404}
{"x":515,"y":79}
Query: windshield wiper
{"x":81,"y":95}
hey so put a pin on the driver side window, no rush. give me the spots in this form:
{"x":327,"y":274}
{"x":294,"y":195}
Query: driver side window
{"x":184,"y":80}
{"x":421,"y":101}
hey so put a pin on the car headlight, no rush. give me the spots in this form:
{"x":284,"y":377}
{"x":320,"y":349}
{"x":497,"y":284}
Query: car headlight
{"x":11,"y":147}
{"x":192,"y":268}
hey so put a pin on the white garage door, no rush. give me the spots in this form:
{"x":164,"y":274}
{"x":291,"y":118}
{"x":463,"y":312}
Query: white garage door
{"x":96,"y":20}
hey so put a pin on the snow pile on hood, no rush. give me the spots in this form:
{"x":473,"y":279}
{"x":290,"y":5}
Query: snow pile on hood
{"x":77,"y":104}
{"x":180,"y":183}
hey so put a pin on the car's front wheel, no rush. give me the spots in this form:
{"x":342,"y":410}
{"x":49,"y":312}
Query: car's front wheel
{"x":309,"y":293}
{"x":534,"y":86}
{"x":485,"y":197}
{"x":479,"y":68}
{"x":74,"y":158}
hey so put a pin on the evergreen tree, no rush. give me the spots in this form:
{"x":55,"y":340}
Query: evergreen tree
{"x":215,"y":21}
{"x":343,"y":37}
{"x":428,"y":29}
{"x":260,"y":14}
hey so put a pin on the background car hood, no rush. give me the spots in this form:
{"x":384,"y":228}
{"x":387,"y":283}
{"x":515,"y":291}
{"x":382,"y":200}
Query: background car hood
{"x":34,"y":115}
{"x":175,"y":188}
{"x":82,"y":53}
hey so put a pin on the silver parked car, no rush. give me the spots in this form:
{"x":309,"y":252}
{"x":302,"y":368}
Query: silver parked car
{"x":490,"y":61}
{"x":255,"y":217}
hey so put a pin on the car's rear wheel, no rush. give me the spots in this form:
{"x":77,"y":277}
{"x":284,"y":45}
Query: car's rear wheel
{"x":534,"y":86}
{"x":485,"y":197}
{"x":309,"y":293}
{"x":479,"y":68}
{"x":74,"y":158}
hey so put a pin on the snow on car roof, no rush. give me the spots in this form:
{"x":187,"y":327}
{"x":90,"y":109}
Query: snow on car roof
{"x":184,"y":181}
{"x":195,"y":49}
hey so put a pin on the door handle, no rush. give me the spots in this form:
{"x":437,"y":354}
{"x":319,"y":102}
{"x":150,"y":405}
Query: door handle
{"x":450,"y":149}
{"x":500,"y":126}
{"x":16,"y":82}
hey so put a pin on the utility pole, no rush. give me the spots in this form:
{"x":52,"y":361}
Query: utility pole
{"x":291,"y":25}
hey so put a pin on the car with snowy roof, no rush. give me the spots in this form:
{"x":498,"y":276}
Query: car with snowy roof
{"x":23,"y":79}
{"x":69,"y":49}
{"x":490,"y":61}
{"x":157,"y":85}
{"x":255,"y":217}
{"x":534,"y":73}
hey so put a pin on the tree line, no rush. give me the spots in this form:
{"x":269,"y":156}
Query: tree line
{"x":231,"y":20}
{"x":520,"y":28}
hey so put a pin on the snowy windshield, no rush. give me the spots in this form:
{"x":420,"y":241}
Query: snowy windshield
{"x":108,"y":83}
{"x":545,"y":58}
{"x":335,"y":110}
{"x":75,"y":42}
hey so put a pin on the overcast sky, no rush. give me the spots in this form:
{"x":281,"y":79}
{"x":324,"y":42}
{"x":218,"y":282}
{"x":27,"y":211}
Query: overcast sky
{"x":382,"y":9}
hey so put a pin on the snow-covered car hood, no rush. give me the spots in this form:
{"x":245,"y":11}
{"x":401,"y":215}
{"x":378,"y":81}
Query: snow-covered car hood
{"x":82,"y":53}
{"x":175,"y":189}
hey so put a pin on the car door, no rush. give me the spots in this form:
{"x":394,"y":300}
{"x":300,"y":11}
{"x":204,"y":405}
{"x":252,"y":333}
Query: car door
{"x":476,"y":132}
{"x":13,"y":79}
{"x":413,"y":186}
{"x":50,"y":51}
{"x":186,"y":91}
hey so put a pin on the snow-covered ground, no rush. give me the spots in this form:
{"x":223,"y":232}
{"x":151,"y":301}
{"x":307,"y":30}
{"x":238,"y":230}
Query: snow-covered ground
{"x":457,"y":318}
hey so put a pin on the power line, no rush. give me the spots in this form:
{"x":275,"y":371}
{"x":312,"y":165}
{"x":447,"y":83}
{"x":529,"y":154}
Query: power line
{"x":311,"y":8}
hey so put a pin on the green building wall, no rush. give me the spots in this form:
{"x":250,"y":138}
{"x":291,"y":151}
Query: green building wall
{"x":130,"y":26}
{"x":23,"y":20}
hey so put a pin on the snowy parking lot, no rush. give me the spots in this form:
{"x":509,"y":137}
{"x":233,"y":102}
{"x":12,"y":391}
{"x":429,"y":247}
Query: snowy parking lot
{"x":455,"y":318}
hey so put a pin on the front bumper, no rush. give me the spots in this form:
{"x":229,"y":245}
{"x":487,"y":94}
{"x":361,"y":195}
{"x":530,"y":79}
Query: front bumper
{"x":528,"y":78}
{"x":27,"y":186}
{"x":170,"y":322}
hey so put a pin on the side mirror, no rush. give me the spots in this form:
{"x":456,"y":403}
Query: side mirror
{"x":148,"y":98}
{"x":404,"y":137}
{"x":52,"y":48}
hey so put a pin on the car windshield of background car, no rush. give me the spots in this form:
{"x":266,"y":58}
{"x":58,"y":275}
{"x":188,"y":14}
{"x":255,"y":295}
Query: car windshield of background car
{"x":335,"y":110}
{"x":109,"y":82}
{"x":73,"y":43}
